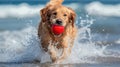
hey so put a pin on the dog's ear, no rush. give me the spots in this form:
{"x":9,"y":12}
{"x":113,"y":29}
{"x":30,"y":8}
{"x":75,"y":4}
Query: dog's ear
{"x":45,"y":14}
{"x":72,"y":16}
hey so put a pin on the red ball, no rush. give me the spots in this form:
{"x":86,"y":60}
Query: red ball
{"x":57,"y":29}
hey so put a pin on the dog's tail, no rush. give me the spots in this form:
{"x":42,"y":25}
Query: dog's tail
{"x":55,"y":2}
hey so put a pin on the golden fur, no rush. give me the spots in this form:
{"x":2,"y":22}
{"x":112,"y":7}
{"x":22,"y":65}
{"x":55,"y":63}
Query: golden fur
{"x":49,"y":41}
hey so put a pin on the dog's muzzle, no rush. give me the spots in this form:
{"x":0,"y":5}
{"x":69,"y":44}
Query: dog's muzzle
{"x":58,"y":22}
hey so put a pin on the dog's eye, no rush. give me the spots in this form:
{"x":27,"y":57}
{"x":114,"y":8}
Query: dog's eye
{"x":65,"y":14}
{"x":55,"y":13}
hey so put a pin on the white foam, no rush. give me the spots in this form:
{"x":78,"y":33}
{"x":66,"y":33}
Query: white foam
{"x":19,"y":46}
{"x":118,"y":41}
{"x":23,"y":10}
{"x":97,"y":8}
{"x":19,"y":11}
{"x":23,"y":45}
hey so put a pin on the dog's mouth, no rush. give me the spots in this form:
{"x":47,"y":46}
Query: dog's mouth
{"x":57,"y":29}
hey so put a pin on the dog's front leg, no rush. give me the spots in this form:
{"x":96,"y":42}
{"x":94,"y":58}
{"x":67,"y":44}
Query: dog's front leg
{"x":66,"y":51}
{"x":52,"y":53}
{"x":63,"y":56}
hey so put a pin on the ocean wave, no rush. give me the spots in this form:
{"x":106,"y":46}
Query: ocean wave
{"x":97,"y":8}
{"x":23,"y":46}
{"x":19,"y":11}
{"x":19,"y":46}
{"x":24,"y":10}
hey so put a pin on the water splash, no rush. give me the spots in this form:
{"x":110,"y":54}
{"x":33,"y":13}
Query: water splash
{"x":23,"y":45}
{"x":19,"y":46}
{"x":86,"y":50}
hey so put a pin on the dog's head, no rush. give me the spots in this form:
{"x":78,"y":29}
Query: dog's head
{"x":55,"y":13}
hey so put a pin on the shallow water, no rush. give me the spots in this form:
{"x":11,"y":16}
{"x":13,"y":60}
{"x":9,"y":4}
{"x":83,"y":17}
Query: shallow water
{"x":60,"y":65}
{"x":23,"y":46}
{"x":97,"y":43}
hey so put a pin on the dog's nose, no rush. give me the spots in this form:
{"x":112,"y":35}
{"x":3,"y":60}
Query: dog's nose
{"x":58,"y":21}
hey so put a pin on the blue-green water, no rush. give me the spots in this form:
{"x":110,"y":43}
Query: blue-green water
{"x":97,"y":43}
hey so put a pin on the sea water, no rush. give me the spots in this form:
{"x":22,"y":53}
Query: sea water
{"x":97,"y":41}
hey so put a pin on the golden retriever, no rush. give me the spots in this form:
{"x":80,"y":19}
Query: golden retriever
{"x":58,"y":46}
